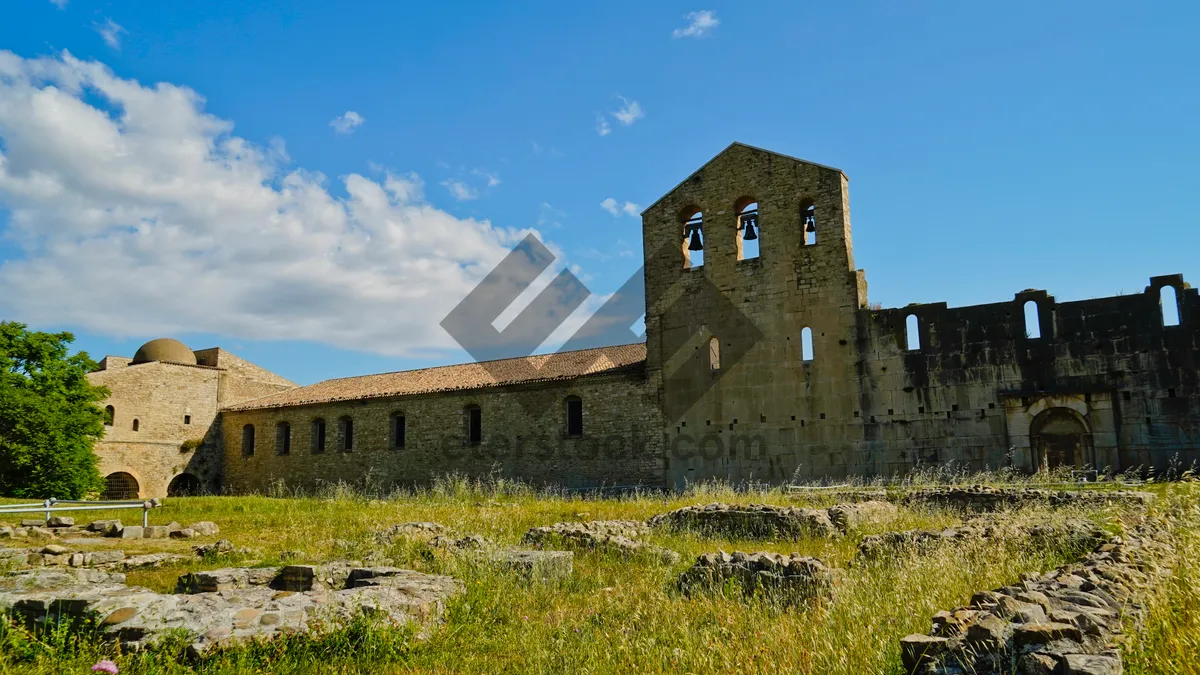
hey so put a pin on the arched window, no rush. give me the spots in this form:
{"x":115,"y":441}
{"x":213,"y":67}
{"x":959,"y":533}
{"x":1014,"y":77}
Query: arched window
{"x":806,"y":344}
{"x":184,"y":485}
{"x":110,"y":414}
{"x":248,"y":440}
{"x":398,"y":430}
{"x":1169,"y":303}
{"x":912,"y":332}
{"x":118,"y":486}
{"x":472,"y":425}
{"x":345,"y":434}
{"x":1033,"y":321}
{"x":746,"y":237}
{"x":574,"y":417}
{"x":318,"y":436}
{"x":808,"y":223}
{"x":693,"y":239}
{"x":136,"y":425}
{"x":283,"y":438}
{"x":714,"y":354}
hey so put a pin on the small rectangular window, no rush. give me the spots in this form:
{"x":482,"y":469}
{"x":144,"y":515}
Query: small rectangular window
{"x":318,"y":436}
{"x":187,"y":419}
{"x":399,"y":431}
{"x":474,"y":423}
{"x":574,"y":417}
{"x":347,"y":435}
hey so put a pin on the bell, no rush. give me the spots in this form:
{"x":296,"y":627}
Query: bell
{"x":695,"y":244}
{"x":812,"y":224}
{"x":748,"y":232}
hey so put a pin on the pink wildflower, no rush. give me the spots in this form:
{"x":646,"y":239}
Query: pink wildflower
{"x":105,"y":666}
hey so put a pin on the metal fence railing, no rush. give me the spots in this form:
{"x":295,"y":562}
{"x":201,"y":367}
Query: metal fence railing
{"x":50,"y":506}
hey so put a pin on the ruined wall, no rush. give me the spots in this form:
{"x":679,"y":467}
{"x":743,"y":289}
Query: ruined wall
{"x":621,"y":444}
{"x":973,"y":389}
{"x":766,"y":414}
{"x":171,"y":403}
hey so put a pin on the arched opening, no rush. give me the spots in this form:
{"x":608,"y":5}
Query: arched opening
{"x":749,"y":231}
{"x":472,"y":425}
{"x":693,"y":238}
{"x":1169,"y":303}
{"x":808,"y":223}
{"x":714,"y":354}
{"x":1033,"y":321}
{"x":283,"y":438}
{"x":248,"y":440}
{"x":110,"y":413}
{"x":184,"y":485}
{"x":806,"y":344}
{"x":119,"y":485}
{"x":136,"y":425}
{"x":912,"y":332}
{"x":398,"y":430}
{"x":574,"y":406}
{"x":318,"y":436}
{"x":1060,"y":438}
{"x":346,"y":434}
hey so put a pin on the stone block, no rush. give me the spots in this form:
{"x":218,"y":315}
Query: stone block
{"x":1091,"y":664}
{"x":114,"y":529}
{"x":205,"y":528}
{"x":131,"y":532}
{"x":918,"y":650}
{"x":103,"y":557}
{"x":102,"y":525}
{"x":537,"y":565}
{"x":155,"y":532}
{"x":60,"y":521}
{"x":32,"y":522}
{"x":184,"y":533}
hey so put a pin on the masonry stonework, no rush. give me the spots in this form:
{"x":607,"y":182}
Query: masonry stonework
{"x":725,"y":385}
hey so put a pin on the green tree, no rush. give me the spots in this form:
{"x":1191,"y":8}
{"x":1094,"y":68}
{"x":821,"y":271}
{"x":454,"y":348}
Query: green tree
{"x":49,"y":417}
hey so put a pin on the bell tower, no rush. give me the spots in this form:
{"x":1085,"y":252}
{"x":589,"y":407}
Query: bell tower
{"x":751,"y":304}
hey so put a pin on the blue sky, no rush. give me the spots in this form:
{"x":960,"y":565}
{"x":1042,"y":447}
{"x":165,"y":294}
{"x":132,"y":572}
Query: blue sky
{"x":989,"y":148}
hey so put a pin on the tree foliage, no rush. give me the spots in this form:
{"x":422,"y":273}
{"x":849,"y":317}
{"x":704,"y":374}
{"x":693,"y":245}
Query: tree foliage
{"x":49,"y":417}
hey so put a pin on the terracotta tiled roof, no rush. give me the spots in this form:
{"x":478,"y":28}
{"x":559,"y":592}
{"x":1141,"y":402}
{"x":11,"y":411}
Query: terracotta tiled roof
{"x":540,"y":368}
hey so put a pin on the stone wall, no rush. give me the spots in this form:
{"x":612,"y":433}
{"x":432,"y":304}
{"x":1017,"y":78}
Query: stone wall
{"x":621,"y":444}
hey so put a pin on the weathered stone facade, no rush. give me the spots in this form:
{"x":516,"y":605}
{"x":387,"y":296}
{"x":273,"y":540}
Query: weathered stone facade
{"x":766,"y":367}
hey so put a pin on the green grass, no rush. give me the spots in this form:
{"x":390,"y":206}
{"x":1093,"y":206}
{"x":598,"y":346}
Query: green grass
{"x":612,"y":615}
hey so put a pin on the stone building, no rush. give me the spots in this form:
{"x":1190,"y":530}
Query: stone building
{"x":763,"y":361}
{"x":162,"y":432}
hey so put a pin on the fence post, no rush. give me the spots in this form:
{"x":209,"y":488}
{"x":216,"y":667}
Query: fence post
{"x":46,"y":503}
{"x":145,"y":514}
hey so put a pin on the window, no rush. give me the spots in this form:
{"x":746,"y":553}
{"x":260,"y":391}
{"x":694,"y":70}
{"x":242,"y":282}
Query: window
{"x":808,"y":223}
{"x":109,"y":414}
{"x":574,"y":417}
{"x":714,"y":354}
{"x":1169,"y":304}
{"x":283,"y":438}
{"x":748,"y":232}
{"x":346,"y":431}
{"x":693,"y":239}
{"x":912,"y":332}
{"x":472,"y":425}
{"x":398,"y":430}
{"x":806,"y":344}
{"x":136,"y":425}
{"x":248,"y":440}
{"x":187,"y":419}
{"x":1033,"y":322}
{"x":318,"y":436}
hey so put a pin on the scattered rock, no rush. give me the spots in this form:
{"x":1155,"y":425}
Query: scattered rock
{"x":185,"y":533}
{"x":132,"y":532}
{"x":60,"y":521}
{"x":536,"y":565}
{"x":205,"y":528}
{"x":788,"y":578}
{"x":603,"y":535}
{"x":985,"y":498}
{"x":754,"y":521}
{"x":102,"y":525}
{"x":417,"y":530}
{"x":220,"y":547}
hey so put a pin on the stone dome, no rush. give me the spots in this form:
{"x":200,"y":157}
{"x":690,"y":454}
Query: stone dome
{"x":165,"y":349}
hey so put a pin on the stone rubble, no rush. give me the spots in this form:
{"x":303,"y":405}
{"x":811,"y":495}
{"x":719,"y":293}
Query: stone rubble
{"x":245,"y":604}
{"x":1077,"y":533}
{"x":791,"y":578}
{"x":419,"y":531}
{"x":1068,"y":620}
{"x":617,"y":536}
{"x":762,"y":521}
{"x":986,"y":498}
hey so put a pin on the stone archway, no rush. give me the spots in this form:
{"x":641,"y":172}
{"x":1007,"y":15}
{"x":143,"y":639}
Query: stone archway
{"x":184,"y":485}
{"x":1060,"y":438}
{"x":120,"y":485}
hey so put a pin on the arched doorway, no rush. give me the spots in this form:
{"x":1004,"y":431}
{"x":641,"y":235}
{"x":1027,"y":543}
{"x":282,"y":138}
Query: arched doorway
{"x":120,"y":485}
{"x":1061,"y":438}
{"x":184,"y":485}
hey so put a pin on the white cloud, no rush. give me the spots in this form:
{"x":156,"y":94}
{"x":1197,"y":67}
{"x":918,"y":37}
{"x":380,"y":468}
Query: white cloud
{"x":630,"y":112}
{"x":491,"y":177}
{"x":699,"y":24}
{"x":137,"y":214}
{"x":347,"y":122}
{"x":460,"y":190}
{"x":602,"y":127}
{"x":111,"y":31}
{"x":616,"y":208}
{"x":61,"y":4}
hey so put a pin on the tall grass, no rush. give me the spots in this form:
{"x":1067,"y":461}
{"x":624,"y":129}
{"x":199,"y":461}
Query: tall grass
{"x":612,"y":615}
